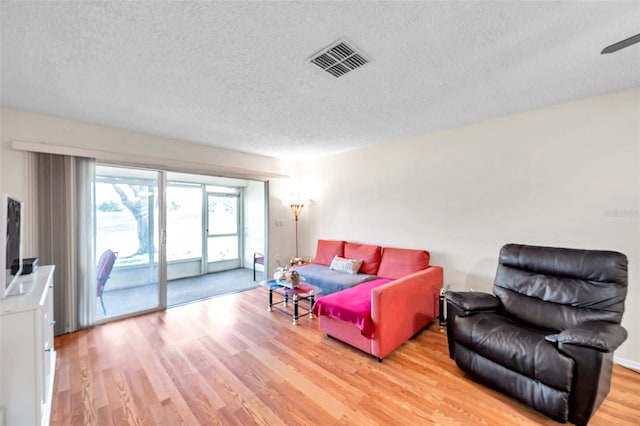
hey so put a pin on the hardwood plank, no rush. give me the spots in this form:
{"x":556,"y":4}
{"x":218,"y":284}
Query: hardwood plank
{"x":229,"y":361}
{"x":121,"y":404}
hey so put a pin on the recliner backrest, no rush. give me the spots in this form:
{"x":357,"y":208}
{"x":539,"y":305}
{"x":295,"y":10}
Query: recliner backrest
{"x":556,"y":288}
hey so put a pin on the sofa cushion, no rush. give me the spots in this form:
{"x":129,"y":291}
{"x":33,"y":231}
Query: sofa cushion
{"x":352,"y":306}
{"x":397,"y":263}
{"x":327,"y":250}
{"x":350,"y":266}
{"x":330,"y":281}
{"x":369,"y":254}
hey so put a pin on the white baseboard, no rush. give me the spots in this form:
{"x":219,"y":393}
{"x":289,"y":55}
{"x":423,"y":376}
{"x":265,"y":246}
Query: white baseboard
{"x":626,"y":363}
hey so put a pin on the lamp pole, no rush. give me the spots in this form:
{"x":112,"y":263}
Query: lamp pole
{"x":296,"y":208}
{"x":296,"y":236}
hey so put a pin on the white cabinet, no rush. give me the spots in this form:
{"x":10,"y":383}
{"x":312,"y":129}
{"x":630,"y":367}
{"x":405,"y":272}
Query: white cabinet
{"x":27,"y":355}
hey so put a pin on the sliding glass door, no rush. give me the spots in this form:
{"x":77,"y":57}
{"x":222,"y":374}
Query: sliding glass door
{"x":167,"y":233}
{"x":126,"y":230}
{"x":203,"y":235}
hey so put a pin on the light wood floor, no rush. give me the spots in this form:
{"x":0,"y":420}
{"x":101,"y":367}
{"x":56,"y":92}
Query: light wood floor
{"x":229,"y":361}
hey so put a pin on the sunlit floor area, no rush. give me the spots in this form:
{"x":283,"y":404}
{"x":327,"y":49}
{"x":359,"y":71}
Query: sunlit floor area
{"x":185,"y":290}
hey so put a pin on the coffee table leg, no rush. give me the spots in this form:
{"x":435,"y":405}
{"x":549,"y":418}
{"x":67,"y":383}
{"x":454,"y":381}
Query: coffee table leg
{"x":295,"y":309}
{"x":311,"y":302}
{"x":270,"y":307}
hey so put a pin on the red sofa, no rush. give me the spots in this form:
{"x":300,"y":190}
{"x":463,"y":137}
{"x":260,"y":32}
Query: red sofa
{"x":380,"y":315}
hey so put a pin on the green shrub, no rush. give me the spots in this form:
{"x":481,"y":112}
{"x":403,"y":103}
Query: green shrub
{"x":110,"y":206}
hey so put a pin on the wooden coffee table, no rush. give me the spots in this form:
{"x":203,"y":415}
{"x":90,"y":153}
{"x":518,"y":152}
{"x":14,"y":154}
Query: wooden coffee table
{"x":304,"y":293}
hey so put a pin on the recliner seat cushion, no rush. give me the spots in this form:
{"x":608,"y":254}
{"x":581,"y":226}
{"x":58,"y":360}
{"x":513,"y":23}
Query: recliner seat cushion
{"x":546,"y":399}
{"x":516,"y":347}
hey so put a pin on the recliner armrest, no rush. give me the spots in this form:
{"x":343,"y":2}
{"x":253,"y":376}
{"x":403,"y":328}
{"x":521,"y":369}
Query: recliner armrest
{"x":464,"y":303}
{"x":600,"y":335}
{"x":473,"y":301}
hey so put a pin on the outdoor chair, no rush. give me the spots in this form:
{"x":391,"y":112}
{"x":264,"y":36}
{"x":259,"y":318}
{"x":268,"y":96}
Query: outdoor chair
{"x":258,"y":259}
{"x":105,"y":265}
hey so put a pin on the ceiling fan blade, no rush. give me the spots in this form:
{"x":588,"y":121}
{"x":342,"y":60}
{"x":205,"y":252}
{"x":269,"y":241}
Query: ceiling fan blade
{"x":621,"y":44}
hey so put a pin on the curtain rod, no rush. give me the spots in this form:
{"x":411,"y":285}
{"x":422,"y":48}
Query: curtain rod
{"x":122,"y":159}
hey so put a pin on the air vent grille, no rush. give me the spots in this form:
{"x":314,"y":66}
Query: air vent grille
{"x":339,"y":58}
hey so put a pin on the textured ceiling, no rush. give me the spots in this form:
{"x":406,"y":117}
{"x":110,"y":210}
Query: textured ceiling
{"x":233,"y":74}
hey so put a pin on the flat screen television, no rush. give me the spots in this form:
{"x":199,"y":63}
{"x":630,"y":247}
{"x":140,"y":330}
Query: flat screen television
{"x":11,"y":260}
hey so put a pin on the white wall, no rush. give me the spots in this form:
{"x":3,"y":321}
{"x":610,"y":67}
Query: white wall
{"x":254,"y":223}
{"x":567,"y":175}
{"x":282,"y":244}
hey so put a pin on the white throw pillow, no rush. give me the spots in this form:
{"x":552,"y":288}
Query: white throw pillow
{"x":350,"y":266}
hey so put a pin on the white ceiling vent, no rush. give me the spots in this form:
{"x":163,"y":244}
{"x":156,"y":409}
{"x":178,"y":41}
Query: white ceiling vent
{"x":339,"y":58}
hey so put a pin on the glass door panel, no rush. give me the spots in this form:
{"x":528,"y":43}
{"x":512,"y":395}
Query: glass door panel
{"x":223,"y":219}
{"x":126,"y":206}
{"x":184,"y":222}
{"x":223,"y":215}
{"x":222,"y":248}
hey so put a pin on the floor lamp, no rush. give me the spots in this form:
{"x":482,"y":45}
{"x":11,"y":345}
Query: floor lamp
{"x":296,"y":208}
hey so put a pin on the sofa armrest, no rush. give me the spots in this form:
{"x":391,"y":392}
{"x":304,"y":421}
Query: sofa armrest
{"x":403,"y":307}
{"x":599,"y":335}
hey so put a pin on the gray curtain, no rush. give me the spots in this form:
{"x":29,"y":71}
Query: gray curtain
{"x":64,"y":188}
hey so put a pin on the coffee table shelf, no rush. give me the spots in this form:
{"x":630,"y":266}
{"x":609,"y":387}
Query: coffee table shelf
{"x":304,"y":292}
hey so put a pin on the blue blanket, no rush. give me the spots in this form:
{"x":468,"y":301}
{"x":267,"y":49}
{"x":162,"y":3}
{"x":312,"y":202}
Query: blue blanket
{"x":328,"y":280}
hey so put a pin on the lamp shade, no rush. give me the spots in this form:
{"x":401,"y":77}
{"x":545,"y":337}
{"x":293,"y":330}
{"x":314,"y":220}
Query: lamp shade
{"x":296,"y":208}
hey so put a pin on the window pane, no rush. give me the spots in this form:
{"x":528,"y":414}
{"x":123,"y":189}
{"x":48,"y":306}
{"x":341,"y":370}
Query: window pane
{"x":223,"y":248}
{"x":222,"y":189}
{"x":123,"y":213}
{"x":223,"y":217}
{"x":184,"y":222}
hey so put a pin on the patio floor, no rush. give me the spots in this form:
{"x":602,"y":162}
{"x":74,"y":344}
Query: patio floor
{"x":179,"y":292}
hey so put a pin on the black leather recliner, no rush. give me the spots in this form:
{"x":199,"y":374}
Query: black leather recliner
{"x":547,"y":335}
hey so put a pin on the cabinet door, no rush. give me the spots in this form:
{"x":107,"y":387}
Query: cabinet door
{"x":47,"y":341}
{"x":27,"y":355}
